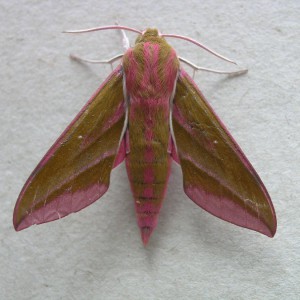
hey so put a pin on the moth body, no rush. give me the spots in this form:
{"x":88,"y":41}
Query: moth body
{"x":150,"y":70}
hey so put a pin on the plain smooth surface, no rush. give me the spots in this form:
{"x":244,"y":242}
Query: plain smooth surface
{"x":97,"y":253}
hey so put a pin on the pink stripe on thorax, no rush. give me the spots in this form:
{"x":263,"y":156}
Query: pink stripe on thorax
{"x":151,"y":80}
{"x":169,"y":71}
{"x":132,"y":71}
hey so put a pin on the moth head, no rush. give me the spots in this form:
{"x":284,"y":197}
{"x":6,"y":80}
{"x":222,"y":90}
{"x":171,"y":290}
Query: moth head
{"x":149,"y":35}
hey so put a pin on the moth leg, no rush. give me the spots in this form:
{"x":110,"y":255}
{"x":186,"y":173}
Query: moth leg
{"x":92,"y":61}
{"x":197,"y":68}
{"x":125,"y":40}
{"x":127,"y":144}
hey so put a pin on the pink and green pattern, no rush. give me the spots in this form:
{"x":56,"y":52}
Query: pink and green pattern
{"x":148,"y":112}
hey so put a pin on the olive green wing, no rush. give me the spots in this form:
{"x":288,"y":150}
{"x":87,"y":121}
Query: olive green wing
{"x":216,"y":174}
{"x":76,"y":170}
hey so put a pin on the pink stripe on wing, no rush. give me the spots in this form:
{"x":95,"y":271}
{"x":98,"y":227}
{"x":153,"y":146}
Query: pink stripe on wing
{"x":64,"y":205}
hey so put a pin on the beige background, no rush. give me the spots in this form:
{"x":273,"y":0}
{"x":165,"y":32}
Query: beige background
{"x":97,"y":253}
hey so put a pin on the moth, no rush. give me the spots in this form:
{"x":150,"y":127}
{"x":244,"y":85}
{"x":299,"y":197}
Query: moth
{"x":148,"y":113}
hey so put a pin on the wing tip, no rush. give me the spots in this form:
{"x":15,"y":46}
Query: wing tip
{"x":260,"y":226}
{"x":270,"y":231}
{"x":18,"y":226}
{"x":15,"y":222}
{"x":269,"y":228}
{"x":272,"y":234}
{"x":266,"y":231}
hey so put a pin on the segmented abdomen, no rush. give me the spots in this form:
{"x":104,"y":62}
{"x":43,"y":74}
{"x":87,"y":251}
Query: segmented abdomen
{"x":148,"y":162}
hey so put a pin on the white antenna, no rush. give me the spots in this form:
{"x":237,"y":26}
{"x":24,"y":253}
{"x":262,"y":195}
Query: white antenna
{"x":199,"y":45}
{"x":104,"y":28}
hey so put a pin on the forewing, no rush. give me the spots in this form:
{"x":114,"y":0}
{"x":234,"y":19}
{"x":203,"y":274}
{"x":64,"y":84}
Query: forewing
{"x":216,"y":174}
{"x":76,"y":170}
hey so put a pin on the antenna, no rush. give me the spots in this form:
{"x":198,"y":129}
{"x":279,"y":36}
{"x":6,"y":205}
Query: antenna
{"x":104,"y":28}
{"x":199,"y":45}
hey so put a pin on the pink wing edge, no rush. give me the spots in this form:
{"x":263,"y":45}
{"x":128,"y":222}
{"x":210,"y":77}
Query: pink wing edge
{"x":213,"y":207}
{"x":93,"y":193}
